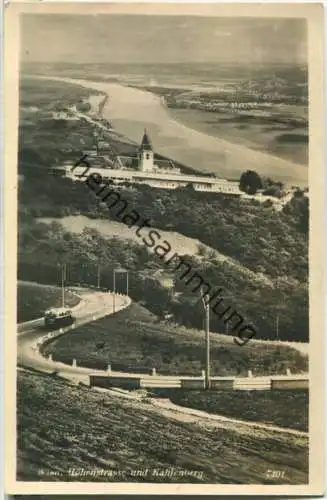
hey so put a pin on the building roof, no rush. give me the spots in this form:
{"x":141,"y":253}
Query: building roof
{"x":146,"y":143}
{"x":166,"y":176}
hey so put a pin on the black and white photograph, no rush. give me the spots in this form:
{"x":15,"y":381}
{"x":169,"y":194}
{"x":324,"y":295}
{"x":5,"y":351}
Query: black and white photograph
{"x":162,"y":216}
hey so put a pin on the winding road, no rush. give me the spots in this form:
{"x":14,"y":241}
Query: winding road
{"x":93,"y":305}
{"x":252,"y":434}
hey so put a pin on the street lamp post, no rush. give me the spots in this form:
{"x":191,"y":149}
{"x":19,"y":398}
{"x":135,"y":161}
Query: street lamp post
{"x":119,"y":270}
{"x":63,"y":277}
{"x":83,"y":274}
{"x":114,"y":294}
{"x":98,"y":275}
{"x":206,"y":307}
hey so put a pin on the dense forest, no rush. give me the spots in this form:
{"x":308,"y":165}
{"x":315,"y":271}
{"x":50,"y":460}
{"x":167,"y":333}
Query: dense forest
{"x":265,"y":241}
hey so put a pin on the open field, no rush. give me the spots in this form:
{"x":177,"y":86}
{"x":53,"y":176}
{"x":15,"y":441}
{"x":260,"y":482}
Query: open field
{"x":284,"y":408}
{"x":33,"y":299}
{"x":44,"y":141}
{"x":63,"y":429}
{"x":133,"y":340}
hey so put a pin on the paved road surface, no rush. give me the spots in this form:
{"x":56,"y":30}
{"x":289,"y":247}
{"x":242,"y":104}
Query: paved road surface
{"x":92,"y":305}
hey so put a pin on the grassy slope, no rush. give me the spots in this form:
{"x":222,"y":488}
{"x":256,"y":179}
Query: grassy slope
{"x":132,"y":339}
{"x":284,"y":408}
{"x":62,"y":427}
{"x":33,"y":299}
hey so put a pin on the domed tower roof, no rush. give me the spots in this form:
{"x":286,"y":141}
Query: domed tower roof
{"x":146,"y":143}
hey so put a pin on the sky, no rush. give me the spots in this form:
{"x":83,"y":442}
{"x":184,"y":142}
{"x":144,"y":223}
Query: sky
{"x":118,"y":38}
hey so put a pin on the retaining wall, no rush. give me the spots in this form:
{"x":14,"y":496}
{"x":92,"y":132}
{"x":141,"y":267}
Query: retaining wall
{"x":111,"y":381}
{"x":290,"y":383}
{"x":192,"y":383}
{"x":222,"y":384}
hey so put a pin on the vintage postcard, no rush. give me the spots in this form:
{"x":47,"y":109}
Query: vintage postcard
{"x":164,"y":220}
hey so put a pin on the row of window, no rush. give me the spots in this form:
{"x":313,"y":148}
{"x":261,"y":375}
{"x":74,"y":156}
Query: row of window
{"x":174,"y":184}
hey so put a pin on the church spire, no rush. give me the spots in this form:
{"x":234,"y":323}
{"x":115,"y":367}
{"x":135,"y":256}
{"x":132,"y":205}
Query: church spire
{"x":146,"y":143}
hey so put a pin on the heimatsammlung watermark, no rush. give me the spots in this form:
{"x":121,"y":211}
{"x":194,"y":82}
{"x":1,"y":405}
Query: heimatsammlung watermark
{"x":162,"y":248}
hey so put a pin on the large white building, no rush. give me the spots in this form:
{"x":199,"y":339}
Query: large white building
{"x":156,"y":173}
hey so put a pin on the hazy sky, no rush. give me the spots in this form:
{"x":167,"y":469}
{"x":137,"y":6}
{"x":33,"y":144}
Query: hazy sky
{"x":148,"y":38}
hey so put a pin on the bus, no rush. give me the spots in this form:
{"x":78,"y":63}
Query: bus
{"x":58,"y":317}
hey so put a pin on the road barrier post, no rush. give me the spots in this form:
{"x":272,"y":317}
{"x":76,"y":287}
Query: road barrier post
{"x":250,"y":373}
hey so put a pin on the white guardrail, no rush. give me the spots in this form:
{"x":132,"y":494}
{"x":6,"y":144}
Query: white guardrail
{"x":217,"y":383}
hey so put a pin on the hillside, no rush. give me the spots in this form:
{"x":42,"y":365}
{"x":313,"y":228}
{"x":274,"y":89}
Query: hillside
{"x":259,"y":301}
{"x":181,"y":244}
{"x":283,"y":408}
{"x":44,"y":141}
{"x":262,"y":259}
{"x":33,"y":299}
{"x":132,"y":340}
{"x":55,"y":442}
{"x":243,"y":229}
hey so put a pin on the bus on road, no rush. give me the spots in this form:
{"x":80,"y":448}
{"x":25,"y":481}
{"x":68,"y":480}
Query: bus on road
{"x":58,"y":317}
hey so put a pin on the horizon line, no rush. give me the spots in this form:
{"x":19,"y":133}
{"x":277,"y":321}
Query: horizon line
{"x":144,"y":63}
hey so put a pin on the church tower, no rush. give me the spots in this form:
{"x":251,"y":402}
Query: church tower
{"x":145,"y":154}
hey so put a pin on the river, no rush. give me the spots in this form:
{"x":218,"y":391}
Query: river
{"x":132,"y":110}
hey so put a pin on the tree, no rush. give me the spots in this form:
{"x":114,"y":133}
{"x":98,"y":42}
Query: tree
{"x":83,"y":106}
{"x":250,"y":182}
{"x":273,"y":190}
